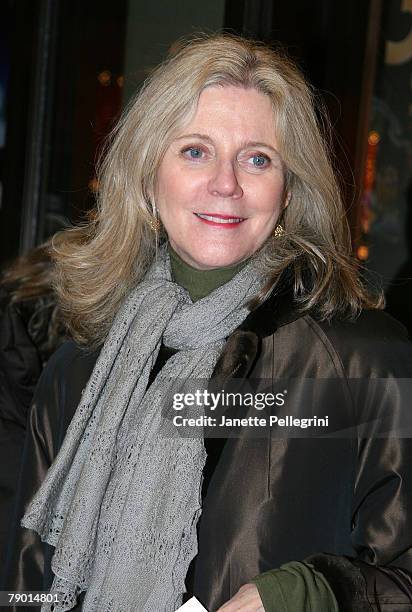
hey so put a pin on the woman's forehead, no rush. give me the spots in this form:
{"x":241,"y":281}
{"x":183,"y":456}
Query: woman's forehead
{"x":245,"y":114}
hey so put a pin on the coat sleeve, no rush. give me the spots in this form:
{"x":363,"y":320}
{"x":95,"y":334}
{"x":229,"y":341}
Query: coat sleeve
{"x":55,"y":401}
{"x":20,"y":368}
{"x":380,"y":576}
{"x":381,"y":573}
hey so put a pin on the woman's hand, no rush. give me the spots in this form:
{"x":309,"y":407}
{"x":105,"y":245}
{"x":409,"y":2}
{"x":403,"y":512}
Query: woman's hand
{"x":247,"y":599}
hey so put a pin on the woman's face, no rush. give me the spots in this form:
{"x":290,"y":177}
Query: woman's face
{"x":220,"y":185}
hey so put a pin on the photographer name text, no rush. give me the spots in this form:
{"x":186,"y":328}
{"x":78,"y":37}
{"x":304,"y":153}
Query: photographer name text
{"x":251,"y":421}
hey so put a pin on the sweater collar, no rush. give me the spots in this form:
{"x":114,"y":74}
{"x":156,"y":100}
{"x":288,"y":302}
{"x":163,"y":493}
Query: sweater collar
{"x":277,"y":310}
{"x":200,"y":283}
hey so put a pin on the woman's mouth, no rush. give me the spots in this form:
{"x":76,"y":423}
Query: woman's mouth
{"x":217,"y":219}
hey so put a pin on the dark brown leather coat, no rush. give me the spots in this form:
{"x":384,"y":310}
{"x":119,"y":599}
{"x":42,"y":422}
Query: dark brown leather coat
{"x":343,"y":502}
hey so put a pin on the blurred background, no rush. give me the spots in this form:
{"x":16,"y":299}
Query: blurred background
{"x":67,"y":68}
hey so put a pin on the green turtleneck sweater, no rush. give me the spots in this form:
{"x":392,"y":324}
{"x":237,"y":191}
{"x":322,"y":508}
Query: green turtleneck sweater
{"x":295,"y":585}
{"x":200,"y":283}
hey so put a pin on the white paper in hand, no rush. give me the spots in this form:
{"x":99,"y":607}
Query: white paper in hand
{"x":193,"y":605}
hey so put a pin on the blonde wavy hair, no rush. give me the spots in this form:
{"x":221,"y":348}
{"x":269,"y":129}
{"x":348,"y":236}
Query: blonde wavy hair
{"x":99,"y":262}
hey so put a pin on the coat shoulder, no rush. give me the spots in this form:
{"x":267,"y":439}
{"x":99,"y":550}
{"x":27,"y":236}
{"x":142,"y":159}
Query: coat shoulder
{"x":72,"y":363}
{"x":373,"y":344}
{"x":59,"y":390}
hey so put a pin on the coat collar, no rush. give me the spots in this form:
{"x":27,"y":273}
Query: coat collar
{"x":243,"y":346}
{"x":277,"y":310}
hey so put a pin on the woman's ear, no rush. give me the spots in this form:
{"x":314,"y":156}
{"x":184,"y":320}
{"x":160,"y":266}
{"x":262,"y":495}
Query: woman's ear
{"x":288,"y":195}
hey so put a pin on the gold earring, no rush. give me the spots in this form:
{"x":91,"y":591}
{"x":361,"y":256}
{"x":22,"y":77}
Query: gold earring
{"x":155,"y":224}
{"x":278,"y":231}
{"x":154,"y":221}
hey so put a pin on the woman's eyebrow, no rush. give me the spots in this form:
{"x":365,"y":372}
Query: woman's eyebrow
{"x":195,"y":135}
{"x":253,"y":143}
{"x":249,"y":143}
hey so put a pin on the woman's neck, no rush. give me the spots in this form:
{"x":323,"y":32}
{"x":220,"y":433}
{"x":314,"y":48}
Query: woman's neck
{"x":200,"y":283}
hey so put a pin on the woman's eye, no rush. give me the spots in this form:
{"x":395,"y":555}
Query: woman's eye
{"x":193,"y":152}
{"x":259,"y":160}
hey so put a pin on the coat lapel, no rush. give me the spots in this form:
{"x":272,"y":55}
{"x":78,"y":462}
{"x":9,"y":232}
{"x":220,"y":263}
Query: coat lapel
{"x":243,"y":346}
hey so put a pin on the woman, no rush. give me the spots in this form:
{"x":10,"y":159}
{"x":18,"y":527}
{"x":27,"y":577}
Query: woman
{"x":30,"y":331}
{"x":220,"y":250}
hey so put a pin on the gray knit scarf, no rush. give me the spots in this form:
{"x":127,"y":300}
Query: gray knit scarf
{"x":121,"y":501}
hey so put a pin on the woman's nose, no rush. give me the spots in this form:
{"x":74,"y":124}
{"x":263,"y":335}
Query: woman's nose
{"x":224,"y":182}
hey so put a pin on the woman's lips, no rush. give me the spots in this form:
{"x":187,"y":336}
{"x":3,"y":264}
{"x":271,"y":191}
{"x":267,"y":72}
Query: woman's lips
{"x":220,"y":220}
